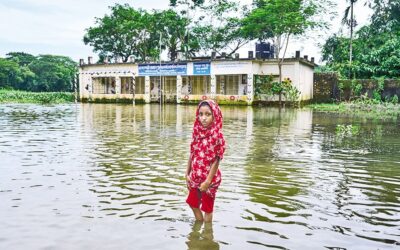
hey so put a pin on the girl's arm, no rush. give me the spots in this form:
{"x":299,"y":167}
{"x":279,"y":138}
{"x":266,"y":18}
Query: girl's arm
{"x":213,"y":170}
{"x":188,"y":170}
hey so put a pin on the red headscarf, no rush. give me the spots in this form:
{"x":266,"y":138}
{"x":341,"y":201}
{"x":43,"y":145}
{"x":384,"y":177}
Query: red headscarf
{"x":208,"y":145}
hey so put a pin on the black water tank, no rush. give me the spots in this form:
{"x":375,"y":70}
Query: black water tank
{"x":263,"y":49}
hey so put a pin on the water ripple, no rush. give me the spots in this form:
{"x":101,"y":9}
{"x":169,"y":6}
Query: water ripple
{"x":289,"y":180}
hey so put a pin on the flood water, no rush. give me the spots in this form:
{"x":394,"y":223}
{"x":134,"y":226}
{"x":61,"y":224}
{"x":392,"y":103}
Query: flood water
{"x":105,"y":176}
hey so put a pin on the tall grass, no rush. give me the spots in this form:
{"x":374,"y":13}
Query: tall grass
{"x":17,"y":96}
{"x":377,"y":110}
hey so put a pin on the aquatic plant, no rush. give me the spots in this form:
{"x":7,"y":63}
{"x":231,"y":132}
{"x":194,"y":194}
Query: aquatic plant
{"x":347,"y":130}
{"x":17,"y":96}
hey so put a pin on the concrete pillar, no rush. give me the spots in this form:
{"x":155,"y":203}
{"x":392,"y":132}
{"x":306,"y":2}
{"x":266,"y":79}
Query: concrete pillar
{"x":147,"y":89}
{"x":213,"y":87}
{"x":249,"y":124}
{"x":117,"y":85}
{"x":250,"y":89}
{"x":178,"y":89}
{"x":82,"y":84}
{"x":90,"y":84}
{"x":147,"y":116}
{"x":179,"y":111}
{"x":222,"y":90}
{"x":118,"y":118}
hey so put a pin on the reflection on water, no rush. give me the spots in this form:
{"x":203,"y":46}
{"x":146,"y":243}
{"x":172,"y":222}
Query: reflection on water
{"x":201,"y":238}
{"x":112,"y":176}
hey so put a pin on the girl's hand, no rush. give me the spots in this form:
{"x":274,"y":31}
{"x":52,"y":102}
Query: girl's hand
{"x":204,"y":186}
{"x":188,"y":181}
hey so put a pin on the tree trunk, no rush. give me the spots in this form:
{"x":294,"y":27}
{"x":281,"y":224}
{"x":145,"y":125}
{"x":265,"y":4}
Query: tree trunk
{"x":173,"y":53}
{"x":280,"y":82}
{"x":351,"y":39}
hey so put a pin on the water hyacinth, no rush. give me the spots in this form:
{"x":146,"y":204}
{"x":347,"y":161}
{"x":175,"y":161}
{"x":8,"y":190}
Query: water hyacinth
{"x":16,"y":96}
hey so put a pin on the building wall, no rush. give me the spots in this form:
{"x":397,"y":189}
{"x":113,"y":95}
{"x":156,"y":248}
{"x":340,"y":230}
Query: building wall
{"x":306,"y":76}
{"x":88,"y":74}
{"x":294,"y":70}
{"x":233,"y":72}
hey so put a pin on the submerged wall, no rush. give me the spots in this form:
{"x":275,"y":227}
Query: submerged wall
{"x":328,"y":87}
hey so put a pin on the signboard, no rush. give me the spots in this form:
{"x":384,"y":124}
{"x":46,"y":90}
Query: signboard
{"x":172,"y":69}
{"x":231,"y":67}
{"x":201,"y":68}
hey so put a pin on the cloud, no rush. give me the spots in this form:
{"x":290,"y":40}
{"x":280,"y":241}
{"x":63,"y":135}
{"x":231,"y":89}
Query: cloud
{"x":58,"y":26}
{"x":54,"y":26}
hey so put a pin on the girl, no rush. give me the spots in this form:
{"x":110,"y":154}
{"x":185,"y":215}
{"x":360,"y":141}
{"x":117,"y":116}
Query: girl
{"x":206,"y":151}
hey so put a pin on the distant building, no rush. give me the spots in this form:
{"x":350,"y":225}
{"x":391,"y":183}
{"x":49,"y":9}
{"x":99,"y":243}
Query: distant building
{"x":230,"y":81}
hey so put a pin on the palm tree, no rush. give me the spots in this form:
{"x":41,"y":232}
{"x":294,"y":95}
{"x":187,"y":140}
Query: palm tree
{"x":352,"y":23}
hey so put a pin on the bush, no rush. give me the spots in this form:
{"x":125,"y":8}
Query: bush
{"x":395,"y":99}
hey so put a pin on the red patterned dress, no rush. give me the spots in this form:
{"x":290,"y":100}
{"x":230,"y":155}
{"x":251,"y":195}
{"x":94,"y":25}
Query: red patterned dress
{"x":207,"y":146}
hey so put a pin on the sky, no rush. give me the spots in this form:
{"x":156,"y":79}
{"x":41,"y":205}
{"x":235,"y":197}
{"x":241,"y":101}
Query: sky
{"x":57,"y":26}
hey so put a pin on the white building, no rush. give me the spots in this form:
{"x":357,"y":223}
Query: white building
{"x":229,"y":81}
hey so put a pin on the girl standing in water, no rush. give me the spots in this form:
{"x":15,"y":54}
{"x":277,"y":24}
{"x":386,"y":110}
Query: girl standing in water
{"x":206,"y":151}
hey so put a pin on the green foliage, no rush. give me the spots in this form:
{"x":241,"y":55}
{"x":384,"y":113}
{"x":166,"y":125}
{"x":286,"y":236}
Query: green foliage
{"x":174,"y":3}
{"x":22,"y":58}
{"x":290,"y":92}
{"x":356,"y":88}
{"x":123,"y":33}
{"x":341,"y":90}
{"x":279,"y":20}
{"x":196,"y":27}
{"x":347,"y":130}
{"x":377,"y":93}
{"x":16,"y":96}
{"x":274,"y":18}
{"x":215,"y":25}
{"x":174,"y":35}
{"x":375,"y":46}
{"x":395,"y":99}
{"x":129,"y":32}
{"x":368,"y":108}
{"x":264,"y":85}
{"x":42,"y":73}
{"x":10,"y":73}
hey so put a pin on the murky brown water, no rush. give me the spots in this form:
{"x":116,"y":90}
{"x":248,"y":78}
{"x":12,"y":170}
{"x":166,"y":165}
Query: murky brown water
{"x":95,"y":176}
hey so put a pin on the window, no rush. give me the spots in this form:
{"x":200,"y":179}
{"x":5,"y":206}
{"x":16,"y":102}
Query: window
{"x":232,"y":85}
{"x":200,"y":85}
{"x":169,"y":85}
{"x":140,"y":85}
{"x":126,"y":85}
{"x":228,"y":85}
{"x":220,"y":85}
{"x":103,"y":85}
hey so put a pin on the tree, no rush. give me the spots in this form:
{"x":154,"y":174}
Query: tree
{"x":386,"y":16}
{"x":352,"y":23}
{"x":172,"y":28}
{"x":53,"y":73}
{"x":215,"y":25}
{"x":217,"y":32}
{"x":279,"y":20}
{"x":22,"y":58}
{"x":10,"y":74}
{"x":174,"y":3}
{"x":375,"y":45}
{"x":123,"y":33}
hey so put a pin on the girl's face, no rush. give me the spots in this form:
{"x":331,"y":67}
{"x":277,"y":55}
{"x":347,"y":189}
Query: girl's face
{"x":205,"y":116}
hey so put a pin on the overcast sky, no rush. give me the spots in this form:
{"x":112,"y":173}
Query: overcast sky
{"x":57,"y":26}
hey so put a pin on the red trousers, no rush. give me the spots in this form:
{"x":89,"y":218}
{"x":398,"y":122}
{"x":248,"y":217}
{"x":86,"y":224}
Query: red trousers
{"x":197,"y":198}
